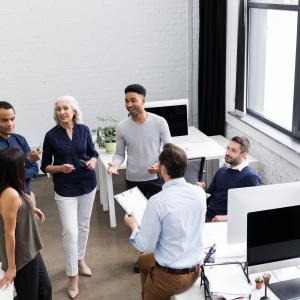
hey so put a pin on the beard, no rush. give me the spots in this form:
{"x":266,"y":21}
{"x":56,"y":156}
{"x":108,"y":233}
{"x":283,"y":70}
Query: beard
{"x":135,"y":112}
{"x":6,"y":132}
{"x":131,"y":114}
{"x":231,"y":161}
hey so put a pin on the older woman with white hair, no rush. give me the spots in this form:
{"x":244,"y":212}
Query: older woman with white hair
{"x":69,"y":155}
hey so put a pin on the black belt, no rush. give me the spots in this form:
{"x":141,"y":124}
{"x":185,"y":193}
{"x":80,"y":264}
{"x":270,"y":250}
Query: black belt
{"x":177,"y":271}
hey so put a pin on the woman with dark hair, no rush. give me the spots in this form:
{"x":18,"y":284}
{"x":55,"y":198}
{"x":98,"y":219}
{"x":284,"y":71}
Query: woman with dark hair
{"x":20,"y":242}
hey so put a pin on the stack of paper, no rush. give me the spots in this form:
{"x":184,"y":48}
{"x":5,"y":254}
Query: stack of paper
{"x":228,"y":281}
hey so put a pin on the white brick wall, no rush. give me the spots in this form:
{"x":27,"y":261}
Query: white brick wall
{"x":90,"y":49}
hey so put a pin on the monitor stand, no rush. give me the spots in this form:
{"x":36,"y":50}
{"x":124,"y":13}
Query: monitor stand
{"x":287,"y":289}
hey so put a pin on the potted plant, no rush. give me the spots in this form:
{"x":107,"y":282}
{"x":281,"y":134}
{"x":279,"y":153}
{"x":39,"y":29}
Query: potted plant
{"x":259,"y":282}
{"x":106,"y":133}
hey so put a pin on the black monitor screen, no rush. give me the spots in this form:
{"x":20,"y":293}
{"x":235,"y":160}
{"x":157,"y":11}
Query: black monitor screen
{"x":273,"y":235}
{"x":176,"y":117}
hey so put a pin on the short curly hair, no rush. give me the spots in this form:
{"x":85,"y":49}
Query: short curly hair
{"x":135,"y":88}
{"x":75,"y":106}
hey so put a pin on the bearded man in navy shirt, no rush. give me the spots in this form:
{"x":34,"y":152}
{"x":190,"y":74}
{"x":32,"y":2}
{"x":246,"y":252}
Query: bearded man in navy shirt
{"x":235,"y":174}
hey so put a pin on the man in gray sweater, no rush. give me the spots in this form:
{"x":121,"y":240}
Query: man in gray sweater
{"x":142,"y":134}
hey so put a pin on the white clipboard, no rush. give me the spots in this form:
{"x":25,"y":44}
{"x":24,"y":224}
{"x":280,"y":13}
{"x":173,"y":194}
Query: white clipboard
{"x":133,"y":201}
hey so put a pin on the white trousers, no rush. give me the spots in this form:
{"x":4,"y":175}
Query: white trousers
{"x":75,"y":214}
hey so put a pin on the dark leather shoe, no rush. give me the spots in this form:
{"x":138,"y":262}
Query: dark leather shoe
{"x":136,"y":268}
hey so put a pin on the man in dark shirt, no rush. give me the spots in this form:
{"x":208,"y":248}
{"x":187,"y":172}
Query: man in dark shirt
{"x":9,"y":139}
{"x":235,"y":174}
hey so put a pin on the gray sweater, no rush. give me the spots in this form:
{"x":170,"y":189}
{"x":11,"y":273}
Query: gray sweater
{"x":143,"y":144}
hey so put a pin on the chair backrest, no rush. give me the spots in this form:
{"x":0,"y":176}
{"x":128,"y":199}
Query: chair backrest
{"x":194,"y":171}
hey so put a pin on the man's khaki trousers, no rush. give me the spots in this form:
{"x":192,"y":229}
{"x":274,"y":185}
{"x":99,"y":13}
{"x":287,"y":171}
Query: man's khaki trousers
{"x":160,"y":285}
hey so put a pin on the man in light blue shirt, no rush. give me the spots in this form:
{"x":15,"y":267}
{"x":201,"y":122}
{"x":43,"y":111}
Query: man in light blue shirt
{"x":171,"y":231}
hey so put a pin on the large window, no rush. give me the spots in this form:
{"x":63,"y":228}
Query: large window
{"x":273,"y":81}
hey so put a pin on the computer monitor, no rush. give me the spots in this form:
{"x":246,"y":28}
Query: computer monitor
{"x":174,"y":111}
{"x":273,"y":239}
{"x":241,"y":201}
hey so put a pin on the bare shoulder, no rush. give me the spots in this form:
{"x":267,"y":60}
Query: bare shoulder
{"x":10,"y":197}
{"x":10,"y":192}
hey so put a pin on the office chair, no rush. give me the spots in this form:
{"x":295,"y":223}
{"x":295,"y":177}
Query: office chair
{"x":195,"y":169}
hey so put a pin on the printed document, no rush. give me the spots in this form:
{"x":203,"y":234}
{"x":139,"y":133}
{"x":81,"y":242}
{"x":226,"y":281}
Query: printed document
{"x":133,"y":201}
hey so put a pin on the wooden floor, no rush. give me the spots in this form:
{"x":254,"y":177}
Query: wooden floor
{"x":108,"y":252}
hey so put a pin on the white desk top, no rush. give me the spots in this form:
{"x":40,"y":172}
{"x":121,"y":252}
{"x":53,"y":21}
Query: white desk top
{"x":216,"y":233}
{"x":196,"y":145}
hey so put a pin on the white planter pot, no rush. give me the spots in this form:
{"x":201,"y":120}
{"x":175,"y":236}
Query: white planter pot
{"x":110,"y":147}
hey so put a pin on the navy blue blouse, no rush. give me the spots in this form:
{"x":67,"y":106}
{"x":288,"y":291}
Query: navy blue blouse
{"x":59,"y":149}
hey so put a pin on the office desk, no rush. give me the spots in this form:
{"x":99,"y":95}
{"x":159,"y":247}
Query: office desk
{"x":217,"y":233}
{"x":8,"y":293}
{"x":197,"y":293}
{"x":196,"y":144}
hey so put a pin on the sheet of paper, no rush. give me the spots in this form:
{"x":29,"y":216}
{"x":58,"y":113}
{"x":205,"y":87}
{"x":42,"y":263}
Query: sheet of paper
{"x":133,"y":201}
{"x":227,"y":279}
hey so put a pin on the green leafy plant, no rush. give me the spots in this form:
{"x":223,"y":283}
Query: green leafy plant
{"x":106,"y":132}
{"x":259,"y":279}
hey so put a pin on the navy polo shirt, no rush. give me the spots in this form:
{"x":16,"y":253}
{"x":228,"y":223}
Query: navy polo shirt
{"x":31,"y":168}
{"x":59,"y":149}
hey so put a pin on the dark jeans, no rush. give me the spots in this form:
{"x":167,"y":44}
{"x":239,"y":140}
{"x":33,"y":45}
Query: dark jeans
{"x":32,"y":281}
{"x":148,"y":188}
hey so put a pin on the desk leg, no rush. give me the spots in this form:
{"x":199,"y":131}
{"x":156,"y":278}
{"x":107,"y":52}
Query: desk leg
{"x":97,"y":171}
{"x":111,"y":201}
{"x":103,"y":186}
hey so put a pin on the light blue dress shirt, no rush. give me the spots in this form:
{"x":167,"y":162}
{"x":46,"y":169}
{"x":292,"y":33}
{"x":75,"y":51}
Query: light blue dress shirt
{"x":172,"y":225}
